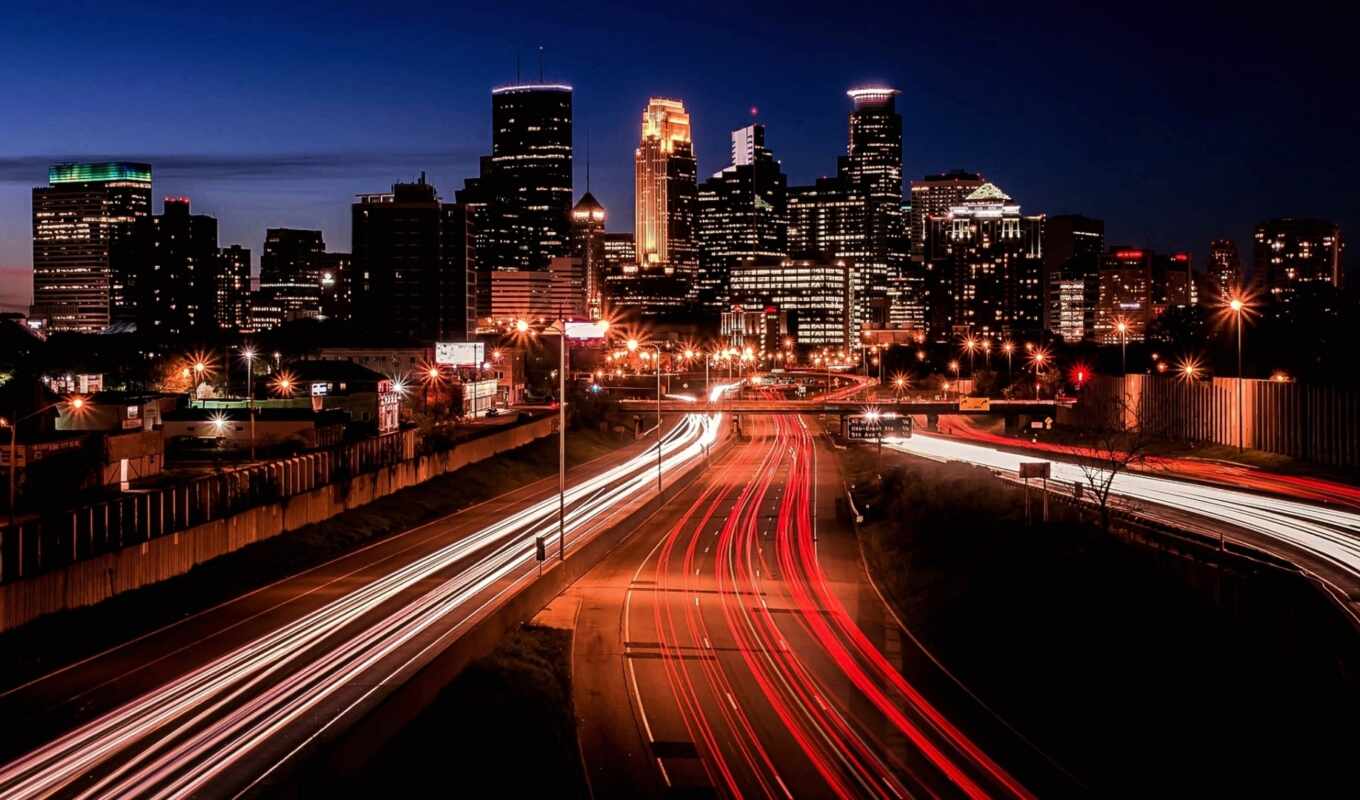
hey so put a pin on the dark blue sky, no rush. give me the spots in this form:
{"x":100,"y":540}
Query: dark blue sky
{"x":1173,"y":124}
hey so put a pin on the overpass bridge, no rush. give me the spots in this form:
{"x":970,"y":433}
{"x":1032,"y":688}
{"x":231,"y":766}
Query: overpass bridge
{"x":966,"y":406}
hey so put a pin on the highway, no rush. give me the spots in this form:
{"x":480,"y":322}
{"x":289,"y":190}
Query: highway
{"x":209,"y":706}
{"x":1322,"y":540}
{"x":740,"y":650}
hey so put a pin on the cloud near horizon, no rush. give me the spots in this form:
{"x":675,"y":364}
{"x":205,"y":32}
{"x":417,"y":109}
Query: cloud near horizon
{"x":31,"y":169}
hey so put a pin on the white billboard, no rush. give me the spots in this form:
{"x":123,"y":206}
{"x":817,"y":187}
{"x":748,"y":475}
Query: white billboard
{"x":459,"y":354}
{"x":587,"y":330}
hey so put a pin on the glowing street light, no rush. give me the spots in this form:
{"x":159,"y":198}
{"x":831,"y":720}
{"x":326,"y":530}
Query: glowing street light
{"x":1008,"y":348}
{"x":1238,"y":305}
{"x":633,"y":345}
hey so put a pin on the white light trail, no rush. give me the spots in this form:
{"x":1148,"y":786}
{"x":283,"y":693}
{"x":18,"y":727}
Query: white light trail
{"x":173,"y":740}
{"x":1327,"y":533}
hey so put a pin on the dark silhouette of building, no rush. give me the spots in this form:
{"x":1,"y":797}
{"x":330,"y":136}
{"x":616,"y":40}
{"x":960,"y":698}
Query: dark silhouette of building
{"x":520,"y":203}
{"x":743,"y":214}
{"x":82,"y":221}
{"x":233,"y":288}
{"x":414,"y":266}
{"x":176,"y":257}
{"x":290,"y":276}
{"x":336,"y":275}
{"x":1291,"y":253}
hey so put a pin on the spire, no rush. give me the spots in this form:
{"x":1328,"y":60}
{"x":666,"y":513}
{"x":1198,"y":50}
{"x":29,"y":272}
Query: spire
{"x":587,"y":160}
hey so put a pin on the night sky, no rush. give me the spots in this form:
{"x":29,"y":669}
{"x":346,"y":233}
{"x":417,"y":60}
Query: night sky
{"x":1175,"y":126}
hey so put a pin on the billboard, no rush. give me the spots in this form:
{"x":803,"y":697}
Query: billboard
{"x":459,"y":354}
{"x":587,"y":330}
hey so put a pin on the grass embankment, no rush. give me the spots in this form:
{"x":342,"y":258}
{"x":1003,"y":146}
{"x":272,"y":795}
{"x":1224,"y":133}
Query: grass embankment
{"x":61,"y":638}
{"x":507,"y":721}
{"x":1138,"y":671}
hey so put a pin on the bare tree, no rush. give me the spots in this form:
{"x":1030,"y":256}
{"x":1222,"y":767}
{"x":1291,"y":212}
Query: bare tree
{"x":1118,"y":442}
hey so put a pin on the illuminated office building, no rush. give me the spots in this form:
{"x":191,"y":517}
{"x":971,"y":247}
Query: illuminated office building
{"x":984,"y":263}
{"x":1125,"y":296}
{"x":1074,"y":246}
{"x":742,"y":215}
{"x":933,"y":196}
{"x":817,"y":294}
{"x":290,"y":274}
{"x":233,"y":288}
{"x":1225,"y":267}
{"x":587,"y":245}
{"x":664,"y":215}
{"x":1292,"y":254}
{"x":82,"y":221}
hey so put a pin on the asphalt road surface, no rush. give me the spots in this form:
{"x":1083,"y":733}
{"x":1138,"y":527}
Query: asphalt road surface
{"x":210,"y":705}
{"x":738,"y":649}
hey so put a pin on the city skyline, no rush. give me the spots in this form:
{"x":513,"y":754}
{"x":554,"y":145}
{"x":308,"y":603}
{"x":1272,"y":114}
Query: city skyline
{"x":1130,"y":174}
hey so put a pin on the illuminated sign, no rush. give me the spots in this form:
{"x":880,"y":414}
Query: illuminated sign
{"x":459,"y":354}
{"x":587,"y":330}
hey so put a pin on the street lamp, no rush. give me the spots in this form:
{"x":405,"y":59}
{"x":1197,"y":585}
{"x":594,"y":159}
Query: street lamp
{"x":954,"y":367}
{"x":76,"y":403}
{"x":1008,"y":348}
{"x":971,"y":345}
{"x":249,"y":355}
{"x":633,"y":345}
{"x":1038,"y":356}
{"x":1123,"y":327}
{"x":1238,"y":305}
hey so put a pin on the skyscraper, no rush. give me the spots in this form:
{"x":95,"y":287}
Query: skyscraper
{"x":816,"y":293}
{"x":985,"y":268}
{"x":1224,"y":267}
{"x":290,"y":273}
{"x":933,"y":196}
{"x":233,"y":288}
{"x":177,"y":262}
{"x":81,"y":221}
{"x":531,"y":163}
{"x":857,"y":217}
{"x":1073,"y":248}
{"x":1292,"y":253}
{"x":743,"y":214}
{"x":1125,"y":296}
{"x":587,"y":244}
{"x":413,"y":264}
{"x":664,"y":216}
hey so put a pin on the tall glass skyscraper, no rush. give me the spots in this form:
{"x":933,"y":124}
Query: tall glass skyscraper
{"x":82,"y":223}
{"x":531,"y":163}
{"x":664,"y":215}
{"x":743,"y":214}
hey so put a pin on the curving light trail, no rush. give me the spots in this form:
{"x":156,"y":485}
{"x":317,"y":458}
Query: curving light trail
{"x":174,"y":740}
{"x":1326,"y":533}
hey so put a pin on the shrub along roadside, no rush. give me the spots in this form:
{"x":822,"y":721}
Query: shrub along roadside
{"x":1119,"y":660}
{"x":61,"y":638}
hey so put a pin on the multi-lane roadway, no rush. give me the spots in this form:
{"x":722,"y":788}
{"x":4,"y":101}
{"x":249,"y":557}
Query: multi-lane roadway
{"x":214,"y":704}
{"x":740,"y":650}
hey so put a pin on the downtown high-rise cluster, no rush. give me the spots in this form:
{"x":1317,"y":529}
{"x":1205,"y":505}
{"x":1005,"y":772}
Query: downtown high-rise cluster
{"x":952,"y":256}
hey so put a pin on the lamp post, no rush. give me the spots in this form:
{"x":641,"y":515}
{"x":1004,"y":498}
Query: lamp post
{"x":1237,"y":306}
{"x":633,"y":346}
{"x":249,"y":355}
{"x":954,"y":367}
{"x":76,"y":403}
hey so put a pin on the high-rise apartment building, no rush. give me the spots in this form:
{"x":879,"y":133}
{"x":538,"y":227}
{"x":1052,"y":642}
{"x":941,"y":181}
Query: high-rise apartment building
{"x":233,"y":288}
{"x":82,"y":220}
{"x":1293,"y":254}
{"x":1225,"y":267}
{"x":290,"y":273}
{"x":984,"y":268}
{"x":743,"y":215}
{"x":665,"y":173}
{"x":413,"y":264}
{"x":177,"y":261}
